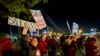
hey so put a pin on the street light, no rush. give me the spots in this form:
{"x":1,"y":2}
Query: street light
{"x":92,"y":29}
{"x":51,"y":32}
{"x":80,"y":31}
{"x":54,"y":33}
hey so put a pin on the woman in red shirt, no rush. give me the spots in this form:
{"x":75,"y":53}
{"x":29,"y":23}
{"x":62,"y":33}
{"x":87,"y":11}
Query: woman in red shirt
{"x":43,"y":46}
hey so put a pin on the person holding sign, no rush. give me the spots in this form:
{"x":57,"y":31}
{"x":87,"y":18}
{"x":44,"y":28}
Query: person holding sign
{"x":33,"y":50}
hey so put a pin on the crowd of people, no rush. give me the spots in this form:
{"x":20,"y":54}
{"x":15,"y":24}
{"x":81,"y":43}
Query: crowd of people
{"x":44,"y":45}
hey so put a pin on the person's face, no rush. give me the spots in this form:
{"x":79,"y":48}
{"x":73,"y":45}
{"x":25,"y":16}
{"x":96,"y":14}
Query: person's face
{"x":93,"y":42}
{"x":44,"y":37}
{"x":68,"y":41}
{"x":7,"y":36}
{"x":34,"y":42}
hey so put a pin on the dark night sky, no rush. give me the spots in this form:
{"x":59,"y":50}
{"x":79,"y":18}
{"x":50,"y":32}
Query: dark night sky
{"x":85,"y":13}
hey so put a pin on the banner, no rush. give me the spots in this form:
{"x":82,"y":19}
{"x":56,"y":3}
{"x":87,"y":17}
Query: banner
{"x":75,"y":28}
{"x":37,"y":15}
{"x":22,"y":23}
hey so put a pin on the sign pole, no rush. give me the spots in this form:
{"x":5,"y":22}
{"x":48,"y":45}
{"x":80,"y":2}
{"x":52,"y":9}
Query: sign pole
{"x":10,"y":31}
{"x":38,"y":32}
{"x":68,"y":26}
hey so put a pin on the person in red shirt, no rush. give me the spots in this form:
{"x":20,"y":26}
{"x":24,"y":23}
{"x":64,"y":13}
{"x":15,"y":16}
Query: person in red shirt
{"x":91,"y":47}
{"x":6,"y":45}
{"x":70,"y":45}
{"x":52,"y":46}
{"x":43,"y":46}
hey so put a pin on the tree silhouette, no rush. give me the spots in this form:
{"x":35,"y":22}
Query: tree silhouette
{"x":17,"y":7}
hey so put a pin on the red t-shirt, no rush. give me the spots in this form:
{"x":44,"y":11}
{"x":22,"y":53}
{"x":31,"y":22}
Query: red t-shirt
{"x":43,"y":46}
{"x":5,"y":44}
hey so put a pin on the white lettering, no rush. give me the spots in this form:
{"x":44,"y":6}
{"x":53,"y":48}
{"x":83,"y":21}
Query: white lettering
{"x":21,"y":23}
